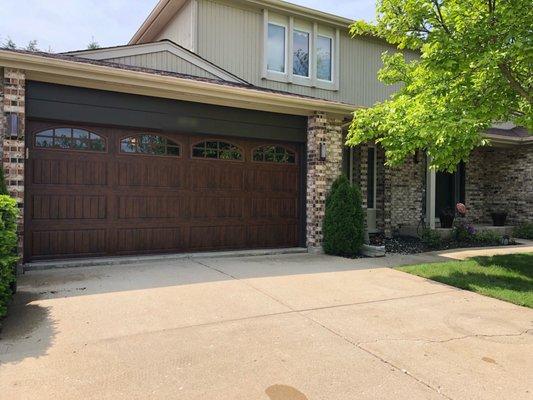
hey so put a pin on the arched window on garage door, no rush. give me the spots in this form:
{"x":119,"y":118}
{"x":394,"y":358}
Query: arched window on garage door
{"x":274,"y":154}
{"x":70,"y":139}
{"x":217,"y":149}
{"x":149,"y":144}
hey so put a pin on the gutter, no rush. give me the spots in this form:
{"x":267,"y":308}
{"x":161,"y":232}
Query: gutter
{"x":509,"y":140}
{"x":65,"y":72}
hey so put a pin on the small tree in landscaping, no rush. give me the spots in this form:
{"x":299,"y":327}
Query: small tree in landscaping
{"x":8,"y":249}
{"x":343,"y":222}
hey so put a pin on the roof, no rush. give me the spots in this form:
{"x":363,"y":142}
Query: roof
{"x":83,"y":72}
{"x":67,"y":57}
{"x":516,"y":132}
{"x":104,"y":53}
{"x":165,"y":10}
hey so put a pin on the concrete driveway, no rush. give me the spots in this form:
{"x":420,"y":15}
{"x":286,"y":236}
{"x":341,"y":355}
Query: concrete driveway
{"x":287,"y":327}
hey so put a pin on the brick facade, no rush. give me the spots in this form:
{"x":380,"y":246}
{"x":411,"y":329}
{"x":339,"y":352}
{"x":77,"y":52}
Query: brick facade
{"x":321,"y":173}
{"x":500,"y":179}
{"x":12,"y":102}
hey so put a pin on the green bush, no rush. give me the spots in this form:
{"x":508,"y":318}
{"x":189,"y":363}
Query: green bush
{"x":430,"y":238}
{"x":524,"y":231}
{"x":343,"y":222}
{"x":8,"y":249}
{"x":487,"y":237}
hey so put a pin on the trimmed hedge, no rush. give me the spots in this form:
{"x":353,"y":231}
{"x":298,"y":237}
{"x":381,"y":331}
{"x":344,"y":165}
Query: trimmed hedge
{"x":344,"y":221}
{"x":8,"y":250}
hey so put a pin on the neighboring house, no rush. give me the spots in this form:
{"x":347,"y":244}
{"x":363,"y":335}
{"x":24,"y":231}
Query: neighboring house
{"x":220,"y":125}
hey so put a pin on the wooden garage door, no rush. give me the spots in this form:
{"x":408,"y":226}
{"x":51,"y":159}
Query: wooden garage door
{"x":94,"y":191}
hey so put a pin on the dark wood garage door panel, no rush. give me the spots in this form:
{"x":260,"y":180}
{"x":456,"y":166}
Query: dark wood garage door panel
{"x":149,"y":207}
{"x":65,"y":243}
{"x":67,"y":207}
{"x":81,"y":204}
{"x":52,"y":170}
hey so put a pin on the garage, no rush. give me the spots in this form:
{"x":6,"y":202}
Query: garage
{"x":98,"y":189}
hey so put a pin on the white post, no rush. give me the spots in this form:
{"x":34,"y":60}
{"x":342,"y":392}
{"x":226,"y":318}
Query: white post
{"x":431,"y":189}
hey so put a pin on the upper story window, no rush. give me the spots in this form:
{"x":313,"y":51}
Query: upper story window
{"x":154,"y":145}
{"x":276,"y":48}
{"x":70,"y":139}
{"x":300,"y":52}
{"x":324,"y":46}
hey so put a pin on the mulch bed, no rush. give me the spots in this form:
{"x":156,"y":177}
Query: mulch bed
{"x":413,"y":245}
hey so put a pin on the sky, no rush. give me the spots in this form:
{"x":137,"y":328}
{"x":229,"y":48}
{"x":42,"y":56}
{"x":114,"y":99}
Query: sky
{"x":65,"y":25}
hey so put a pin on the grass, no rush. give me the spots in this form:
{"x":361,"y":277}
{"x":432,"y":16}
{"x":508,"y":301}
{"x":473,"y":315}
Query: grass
{"x":505,"y":277}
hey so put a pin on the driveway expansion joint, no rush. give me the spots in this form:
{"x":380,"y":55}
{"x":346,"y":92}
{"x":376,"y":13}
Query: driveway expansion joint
{"x":334,"y":332}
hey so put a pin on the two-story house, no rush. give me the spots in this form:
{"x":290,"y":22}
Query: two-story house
{"x":220,"y":125}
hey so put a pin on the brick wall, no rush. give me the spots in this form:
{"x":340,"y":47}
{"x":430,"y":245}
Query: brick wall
{"x":405,"y":185}
{"x":500,"y":179}
{"x":12,"y":102}
{"x":321,"y":174}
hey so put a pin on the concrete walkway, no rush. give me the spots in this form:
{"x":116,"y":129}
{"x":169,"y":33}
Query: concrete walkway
{"x":286,"y":327}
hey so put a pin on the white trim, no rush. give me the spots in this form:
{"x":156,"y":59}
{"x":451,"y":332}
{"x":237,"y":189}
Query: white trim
{"x":431,"y":190}
{"x":288,"y":76}
{"x":332,"y":53}
{"x":139,"y":49}
{"x":277,"y":74}
{"x":375,"y":177}
{"x":300,"y":30}
{"x":194,"y":26}
{"x":74,"y":73}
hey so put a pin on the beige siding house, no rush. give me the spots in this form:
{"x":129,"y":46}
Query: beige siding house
{"x":221,"y":125}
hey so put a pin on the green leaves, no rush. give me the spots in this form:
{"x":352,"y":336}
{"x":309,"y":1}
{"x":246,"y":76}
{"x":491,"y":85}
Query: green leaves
{"x":343,"y":221}
{"x":473,"y":69}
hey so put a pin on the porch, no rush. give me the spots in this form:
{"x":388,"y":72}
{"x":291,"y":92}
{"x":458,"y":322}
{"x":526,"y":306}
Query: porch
{"x":400,"y":200}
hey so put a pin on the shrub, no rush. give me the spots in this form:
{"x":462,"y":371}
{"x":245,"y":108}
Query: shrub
{"x":524,"y":231}
{"x":8,"y":250}
{"x":343,"y":222}
{"x":464,"y":232}
{"x":430,"y":238}
{"x":487,"y":237}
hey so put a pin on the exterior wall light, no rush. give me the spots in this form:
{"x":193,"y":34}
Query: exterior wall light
{"x":13,"y":125}
{"x":322,"y":151}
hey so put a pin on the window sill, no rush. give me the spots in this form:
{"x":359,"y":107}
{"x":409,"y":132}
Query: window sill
{"x":301,"y":81}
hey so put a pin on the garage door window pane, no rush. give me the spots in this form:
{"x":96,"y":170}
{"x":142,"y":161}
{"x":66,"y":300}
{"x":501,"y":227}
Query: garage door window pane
{"x":70,"y":139}
{"x":274,"y":154}
{"x":150,"y":145}
{"x":215,"y":149}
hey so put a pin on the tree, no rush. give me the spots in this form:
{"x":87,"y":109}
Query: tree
{"x":343,"y":220}
{"x":473,"y":68}
{"x":32,"y":46}
{"x":93,"y":45}
{"x":9,"y":44}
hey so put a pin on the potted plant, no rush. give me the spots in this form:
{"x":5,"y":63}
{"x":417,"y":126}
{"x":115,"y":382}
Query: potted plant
{"x":446,"y":216}
{"x":499,"y":218}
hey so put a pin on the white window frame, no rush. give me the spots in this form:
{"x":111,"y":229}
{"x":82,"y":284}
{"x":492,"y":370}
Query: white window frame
{"x":288,"y":76}
{"x":286,"y":58}
{"x":332,"y":56}
{"x":309,"y":44}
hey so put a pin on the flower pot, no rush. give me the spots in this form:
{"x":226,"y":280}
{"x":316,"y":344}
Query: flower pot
{"x":446,"y":220}
{"x":499,"y":218}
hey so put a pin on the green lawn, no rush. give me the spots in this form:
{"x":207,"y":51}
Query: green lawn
{"x":508,"y":277}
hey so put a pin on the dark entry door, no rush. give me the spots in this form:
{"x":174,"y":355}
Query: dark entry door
{"x":94,"y":191}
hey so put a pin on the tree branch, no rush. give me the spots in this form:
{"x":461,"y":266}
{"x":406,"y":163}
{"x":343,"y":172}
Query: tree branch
{"x":440,"y":17}
{"x":508,"y":74}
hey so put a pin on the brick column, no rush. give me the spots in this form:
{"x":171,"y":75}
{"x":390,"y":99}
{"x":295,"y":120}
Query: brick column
{"x":12,"y":102}
{"x":321,"y":173}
